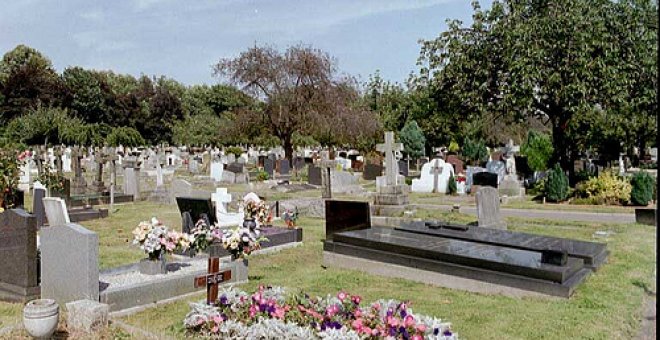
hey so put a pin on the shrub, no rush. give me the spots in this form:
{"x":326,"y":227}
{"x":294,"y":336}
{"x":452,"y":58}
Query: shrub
{"x":474,"y":151}
{"x":451,"y":186}
{"x":556,"y":187}
{"x":237,"y":151}
{"x":607,"y":188}
{"x":413,"y":139}
{"x":538,"y":149}
{"x":642,"y":188}
{"x":262,"y":176}
{"x":453,"y":146}
{"x":126,"y":136}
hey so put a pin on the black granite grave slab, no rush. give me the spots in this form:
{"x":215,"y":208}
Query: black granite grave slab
{"x":276,"y":237}
{"x":471,"y":254}
{"x":19,"y":268}
{"x":403,"y":168}
{"x":593,"y":254}
{"x":345,"y":215}
{"x":196,"y":207}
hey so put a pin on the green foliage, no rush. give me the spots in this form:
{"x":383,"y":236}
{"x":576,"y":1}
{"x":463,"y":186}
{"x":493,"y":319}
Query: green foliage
{"x":607,"y":188}
{"x":199,"y":130}
{"x":51,"y":179}
{"x":43,"y":125}
{"x":237,"y":151}
{"x":303,"y":140}
{"x":453,"y":146}
{"x":556,"y":187}
{"x":9,"y":175}
{"x":538,"y":149}
{"x":451,"y":185}
{"x":125,"y":136}
{"x":474,"y":151}
{"x":262,"y":175}
{"x":413,"y":139}
{"x":643,"y":185}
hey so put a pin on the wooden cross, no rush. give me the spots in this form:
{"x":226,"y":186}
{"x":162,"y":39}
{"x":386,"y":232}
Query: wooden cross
{"x":435,"y":171}
{"x":212,"y":280}
{"x":390,"y":149}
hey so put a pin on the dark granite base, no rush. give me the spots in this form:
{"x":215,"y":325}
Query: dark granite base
{"x":104,"y":198}
{"x":14,"y":293}
{"x":82,"y":214}
{"x":645,"y":216}
{"x":594,"y":254}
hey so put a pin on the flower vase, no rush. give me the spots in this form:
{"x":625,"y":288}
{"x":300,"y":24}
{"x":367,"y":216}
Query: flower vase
{"x":40,"y":318}
{"x":241,"y":272}
{"x":153,"y":265}
{"x":460,"y":188}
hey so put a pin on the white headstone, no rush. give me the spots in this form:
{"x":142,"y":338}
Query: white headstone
{"x":390,"y":149}
{"x":222,"y":198}
{"x":159,"y":175}
{"x":216,"y":171}
{"x":434,"y":177}
{"x":66,"y":160}
{"x":56,"y":211}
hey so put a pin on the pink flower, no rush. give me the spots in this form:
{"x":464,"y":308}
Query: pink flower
{"x":341,"y":296}
{"x":417,"y":337}
{"x":331,"y":310}
{"x":421,"y":328}
{"x":357,"y":324}
{"x":392,"y":321}
{"x":217,"y":319}
{"x":376,"y":306}
{"x":356,"y":299}
{"x":200,"y":321}
{"x":367,"y":330}
{"x":279,"y":313}
{"x":376,"y":331}
{"x":215,"y":329}
{"x":253,"y":310}
{"x":358,"y":313}
{"x":408,"y":321}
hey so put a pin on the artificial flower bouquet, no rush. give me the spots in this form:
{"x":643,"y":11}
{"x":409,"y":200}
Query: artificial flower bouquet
{"x":155,"y":239}
{"x":258,"y":211}
{"x":239,"y":241}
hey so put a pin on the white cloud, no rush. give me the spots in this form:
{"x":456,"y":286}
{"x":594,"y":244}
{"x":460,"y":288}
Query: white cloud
{"x":93,"y":15}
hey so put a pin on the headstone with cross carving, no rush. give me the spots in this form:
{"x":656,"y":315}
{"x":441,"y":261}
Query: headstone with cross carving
{"x":434,"y":177}
{"x":222,"y":198}
{"x":79,"y":183}
{"x":326,"y":175}
{"x":99,"y":186}
{"x":212,"y":280}
{"x":391,"y":197}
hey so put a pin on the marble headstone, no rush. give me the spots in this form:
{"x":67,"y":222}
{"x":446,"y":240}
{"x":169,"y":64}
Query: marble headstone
{"x":488,"y":209}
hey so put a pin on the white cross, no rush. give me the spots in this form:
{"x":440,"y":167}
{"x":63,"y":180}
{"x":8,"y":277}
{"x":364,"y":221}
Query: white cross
{"x":390,"y":148}
{"x":221,"y":198}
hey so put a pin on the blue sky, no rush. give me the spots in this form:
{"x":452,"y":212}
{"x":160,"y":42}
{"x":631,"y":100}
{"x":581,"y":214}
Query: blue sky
{"x":182,"y":39}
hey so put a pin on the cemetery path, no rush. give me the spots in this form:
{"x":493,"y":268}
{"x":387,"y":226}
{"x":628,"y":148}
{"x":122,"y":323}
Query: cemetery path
{"x":546,"y":214}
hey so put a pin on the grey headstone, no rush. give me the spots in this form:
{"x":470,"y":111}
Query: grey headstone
{"x":38,"y":206}
{"x":498,"y":168}
{"x":132,"y":183}
{"x":488,"y":209}
{"x":510,"y":186}
{"x":298,"y":163}
{"x":18,"y":251}
{"x":372,"y":171}
{"x":69,"y":263}
{"x":229,"y":177}
{"x":180,"y":188}
{"x":269,"y":166}
{"x":56,"y":212}
{"x":285,"y":167}
{"x":314,"y":175}
{"x":236,"y":168}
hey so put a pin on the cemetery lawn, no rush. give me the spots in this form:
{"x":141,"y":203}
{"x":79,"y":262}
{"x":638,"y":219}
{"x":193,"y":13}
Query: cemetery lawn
{"x":607,"y":306}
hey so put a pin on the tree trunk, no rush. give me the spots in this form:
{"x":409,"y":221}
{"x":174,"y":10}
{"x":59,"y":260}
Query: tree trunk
{"x":287,"y":144}
{"x":562,"y":146}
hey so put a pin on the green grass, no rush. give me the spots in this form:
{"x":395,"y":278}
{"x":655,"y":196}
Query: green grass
{"x":606,"y":306}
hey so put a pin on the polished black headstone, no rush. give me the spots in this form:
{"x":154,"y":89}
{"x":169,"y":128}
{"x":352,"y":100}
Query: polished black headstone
{"x":314,"y":175}
{"x":403,"y":168}
{"x":555,"y":257}
{"x":235,"y":167}
{"x":197,"y":208}
{"x":346,"y":215}
{"x":485,"y":179}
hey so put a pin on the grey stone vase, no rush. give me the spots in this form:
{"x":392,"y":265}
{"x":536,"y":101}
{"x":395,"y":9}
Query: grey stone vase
{"x":153,"y":266}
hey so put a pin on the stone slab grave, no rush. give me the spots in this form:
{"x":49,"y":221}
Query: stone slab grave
{"x":56,"y":211}
{"x":69,"y":263}
{"x":471,"y":265}
{"x":240,"y":175}
{"x":19,"y":271}
{"x":344,"y":182}
{"x":403,"y":168}
{"x":434,"y":177}
{"x":593,"y":254}
{"x":488,"y":208}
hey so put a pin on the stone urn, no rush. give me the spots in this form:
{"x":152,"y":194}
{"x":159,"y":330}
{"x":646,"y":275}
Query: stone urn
{"x":153,"y":265}
{"x":40,"y":318}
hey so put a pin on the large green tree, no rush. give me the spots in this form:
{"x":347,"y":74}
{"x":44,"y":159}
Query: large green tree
{"x":560,"y":61}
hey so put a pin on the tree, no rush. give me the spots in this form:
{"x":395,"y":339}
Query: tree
{"x":300,"y":91}
{"x":90,"y":95}
{"x":27,"y":79}
{"x":413,"y":139}
{"x":556,"y":60}
{"x":538,"y":149}
{"x":125,"y":136}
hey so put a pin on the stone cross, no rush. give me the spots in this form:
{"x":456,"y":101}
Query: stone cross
{"x":111,"y":156}
{"x":435,"y":171}
{"x":58,"y":159}
{"x":390,"y":148}
{"x":98,"y":157}
{"x":220,"y":197}
{"x":212,"y":279}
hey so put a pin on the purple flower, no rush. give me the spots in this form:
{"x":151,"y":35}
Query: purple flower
{"x":404,"y":332}
{"x":403,"y":313}
{"x":223,"y":300}
{"x":436,"y":331}
{"x":447,"y":333}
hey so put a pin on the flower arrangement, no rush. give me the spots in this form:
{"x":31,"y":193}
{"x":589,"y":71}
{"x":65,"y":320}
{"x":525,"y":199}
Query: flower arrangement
{"x":289,"y":216}
{"x":53,"y":180}
{"x":155,"y":239}
{"x":460,"y":178}
{"x":258,"y":211}
{"x":239,"y":241}
{"x":270,"y":310}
